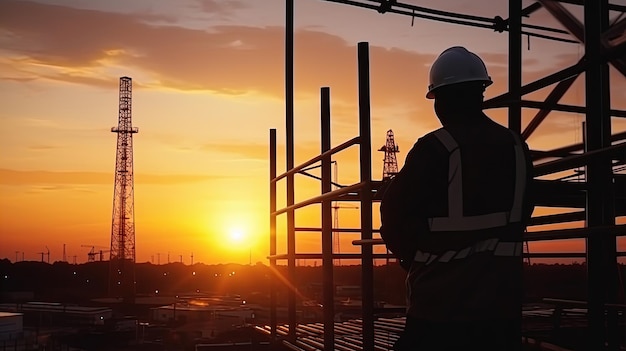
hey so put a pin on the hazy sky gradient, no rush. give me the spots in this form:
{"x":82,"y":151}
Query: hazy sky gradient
{"x":208,"y":84}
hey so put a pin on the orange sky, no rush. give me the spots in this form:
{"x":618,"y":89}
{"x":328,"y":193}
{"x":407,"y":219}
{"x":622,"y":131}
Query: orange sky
{"x":208,"y":84}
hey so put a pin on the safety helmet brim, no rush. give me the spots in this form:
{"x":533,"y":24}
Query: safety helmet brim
{"x":432,"y":91}
{"x":456,"y":65}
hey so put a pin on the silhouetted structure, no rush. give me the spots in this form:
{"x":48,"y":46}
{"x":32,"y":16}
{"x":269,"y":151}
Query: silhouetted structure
{"x":390,"y":162}
{"x":122,"y":259}
{"x":597,"y":200}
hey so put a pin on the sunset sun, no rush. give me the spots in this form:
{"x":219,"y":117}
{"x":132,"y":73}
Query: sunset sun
{"x":236,"y":235}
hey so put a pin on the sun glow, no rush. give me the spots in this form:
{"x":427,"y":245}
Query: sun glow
{"x":236,"y":235}
{"x":235,"y":231}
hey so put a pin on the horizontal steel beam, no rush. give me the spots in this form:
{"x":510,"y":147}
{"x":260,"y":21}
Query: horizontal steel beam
{"x":318,"y":158}
{"x":335,"y":230}
{"x":575,"y":233}
{"x":318,"y":199}
{"x":315,"y":256}
{"x":576,"y":160}
{"x":568,"y":150}
{"x":565,"y":108}
{"x":504,"y":100}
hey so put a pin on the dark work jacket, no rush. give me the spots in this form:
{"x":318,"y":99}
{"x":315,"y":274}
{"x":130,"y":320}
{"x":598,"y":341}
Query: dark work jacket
{"x":480,"y":285}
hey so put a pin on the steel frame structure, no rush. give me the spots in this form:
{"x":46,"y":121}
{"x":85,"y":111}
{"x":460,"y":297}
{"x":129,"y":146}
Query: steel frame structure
{"x":599,"y":199}
{"x":390,"y":162}
{"x":122,"y":252}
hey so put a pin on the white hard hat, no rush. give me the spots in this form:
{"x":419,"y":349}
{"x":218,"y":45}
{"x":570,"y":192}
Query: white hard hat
{"x":456,"y":65}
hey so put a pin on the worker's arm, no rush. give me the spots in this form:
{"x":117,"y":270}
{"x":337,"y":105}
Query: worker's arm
{"x":405,"y":200}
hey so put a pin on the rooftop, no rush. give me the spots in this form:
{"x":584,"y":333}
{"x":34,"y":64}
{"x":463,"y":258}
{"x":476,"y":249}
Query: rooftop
{"x":9,"y":314}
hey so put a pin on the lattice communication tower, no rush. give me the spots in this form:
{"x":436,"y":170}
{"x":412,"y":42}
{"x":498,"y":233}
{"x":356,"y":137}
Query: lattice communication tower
{"x":390,"y":166}
{"x":122,"y":256}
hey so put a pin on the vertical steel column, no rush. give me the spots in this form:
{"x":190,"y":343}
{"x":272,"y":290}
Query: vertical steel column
{"x":365,"y":154}
{"x":273,"y":234}
{"x":327,"y":226}
{"x":515,"y":65}
{"x":515,"y":91}
{"x":291,"y":231}
{"x":601,"y":249}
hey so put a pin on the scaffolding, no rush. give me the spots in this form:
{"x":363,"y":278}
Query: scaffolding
{"x":599,"y":199}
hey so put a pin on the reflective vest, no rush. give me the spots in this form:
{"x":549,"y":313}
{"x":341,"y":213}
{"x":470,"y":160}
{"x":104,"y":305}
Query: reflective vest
{"x":457,"y":221}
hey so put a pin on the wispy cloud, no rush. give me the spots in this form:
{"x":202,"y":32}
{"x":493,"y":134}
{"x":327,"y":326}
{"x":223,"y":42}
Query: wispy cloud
{"x":85,"y":46}
{"x":41,"y":147}
{"x":39,"y":189}
{"x":222,"y":8}
{"x":48,"y":180}
{"x":68,"y":44}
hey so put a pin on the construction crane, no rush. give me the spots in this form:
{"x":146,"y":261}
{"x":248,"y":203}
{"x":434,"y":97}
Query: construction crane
{"x":101,"y":253}
{"x":390,"y":166}
{"x":91,"y":255}
{"x":47,"y":252}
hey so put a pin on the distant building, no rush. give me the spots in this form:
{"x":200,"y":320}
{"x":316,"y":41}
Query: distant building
{"x":351,"y":291}
{"x":50,"y":313}
{"x":208,"y":320}
{"x":239,"y":346}
{"x":191,"y":313}
{"x":11,"y":325}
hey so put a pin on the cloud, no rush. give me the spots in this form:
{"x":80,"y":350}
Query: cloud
{"x":227,"y":59}
{"x":223,"y":8}
{"x":41,"y":147}
{"x":247,"y":151}
{"x":76,"y":45}
{"x":39,"y":189}
{"x":88,"y":47}
{"x":56,"y":180}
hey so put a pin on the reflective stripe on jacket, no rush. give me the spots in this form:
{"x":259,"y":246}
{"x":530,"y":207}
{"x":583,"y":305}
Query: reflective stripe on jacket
{"x":456,"y":219}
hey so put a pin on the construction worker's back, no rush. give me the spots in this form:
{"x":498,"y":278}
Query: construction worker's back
{"x":456,"y":212}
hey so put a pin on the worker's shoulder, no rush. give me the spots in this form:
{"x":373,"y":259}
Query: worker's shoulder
{"x":430,"y":137}
{"x":426,"y":146}
{"x":428,"y":142}
{"x":495,"y":127}
{"x":481,"y":130}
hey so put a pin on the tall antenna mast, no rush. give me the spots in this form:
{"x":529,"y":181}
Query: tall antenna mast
{"x":122,"y":259}
{"x":390,"y":167}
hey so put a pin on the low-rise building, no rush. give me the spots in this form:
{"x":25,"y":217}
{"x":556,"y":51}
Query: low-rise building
{"x":11,"y":325}
{"x":43,"y":313}
{"x":194,"y":313}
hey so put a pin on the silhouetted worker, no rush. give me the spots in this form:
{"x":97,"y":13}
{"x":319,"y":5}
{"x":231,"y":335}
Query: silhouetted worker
{"x":455,"y":215}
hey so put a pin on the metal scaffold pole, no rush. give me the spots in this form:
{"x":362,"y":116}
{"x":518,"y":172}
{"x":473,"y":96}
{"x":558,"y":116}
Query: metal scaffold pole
{"x":365,"y":154}
{"x":289,"y":126}
{"x":601,"y":247}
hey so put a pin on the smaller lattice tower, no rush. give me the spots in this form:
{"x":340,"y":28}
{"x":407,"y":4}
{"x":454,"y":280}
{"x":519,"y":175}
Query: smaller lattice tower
{"x":390,"y":166}
{"x":122,"y":256}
